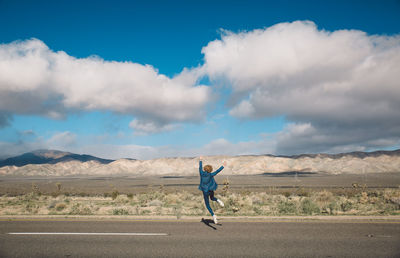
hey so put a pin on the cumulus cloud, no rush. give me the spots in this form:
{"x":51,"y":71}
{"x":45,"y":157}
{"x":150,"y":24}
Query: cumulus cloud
{"x":216,"y":147}
{"x":29,"y":141}
{"x":222,"y":146}
{"x":37,"y":80}
{"x":337,"y":89}
{"x":62,"y":140}
{"x":142,"y":127}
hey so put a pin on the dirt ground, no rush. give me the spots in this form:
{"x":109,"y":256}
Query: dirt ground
{"x":254,"y":183}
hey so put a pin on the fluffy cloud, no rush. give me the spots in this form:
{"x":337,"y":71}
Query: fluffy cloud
{"x":215,"y":147}
{"x":62,"y":140}
{"x":150,"y":127}
{"x":98,"y":146}
{"x":30,"y":141}
{"x":37,"y":80}
{"x":338,"y":88}
{"x":224,"y":147}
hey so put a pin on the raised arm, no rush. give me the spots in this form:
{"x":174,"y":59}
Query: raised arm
{"x":200,"y":166}
{"x":218,"y":170}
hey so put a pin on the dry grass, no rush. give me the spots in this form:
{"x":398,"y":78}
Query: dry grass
{"x":357,"y":201}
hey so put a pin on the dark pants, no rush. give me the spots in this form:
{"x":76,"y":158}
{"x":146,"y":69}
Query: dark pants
{"x":206,"y":195}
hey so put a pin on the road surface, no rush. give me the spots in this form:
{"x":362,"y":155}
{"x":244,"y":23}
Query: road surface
{"x":187,"y":238}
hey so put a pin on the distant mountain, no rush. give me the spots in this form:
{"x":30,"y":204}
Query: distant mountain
{"x":57,"y":163}
{"x":49,"y":157}
{"x":355,"y":154}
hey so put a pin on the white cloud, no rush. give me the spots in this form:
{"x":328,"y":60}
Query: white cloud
{"x":30,"y":141}
{"x":110,"y":151}
{"x":9,"y":149}
{"x":341,"y":85}
{"x":37,"y":80}
{"x":62,"y":140}
{"x":142,"y":127}
{"x":339,"y":90}
{"x":215,"y":147}
{"x":99,"y":146}
{"x":222,"y":146}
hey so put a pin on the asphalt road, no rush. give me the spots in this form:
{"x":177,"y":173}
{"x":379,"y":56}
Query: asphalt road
{"x":201,"y":239}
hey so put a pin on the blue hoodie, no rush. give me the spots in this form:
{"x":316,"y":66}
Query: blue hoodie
{"x":207,"y":182}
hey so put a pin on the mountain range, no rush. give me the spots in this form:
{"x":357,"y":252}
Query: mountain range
{"x":58,"y":163}
{"x":49,"y":157}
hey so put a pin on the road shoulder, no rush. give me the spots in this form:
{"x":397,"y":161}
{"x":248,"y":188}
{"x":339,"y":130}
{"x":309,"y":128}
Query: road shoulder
{"x":364,"y":219}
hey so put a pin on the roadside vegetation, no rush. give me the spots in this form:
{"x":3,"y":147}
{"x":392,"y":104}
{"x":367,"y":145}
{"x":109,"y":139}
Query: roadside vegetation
{"x":358,"y":200}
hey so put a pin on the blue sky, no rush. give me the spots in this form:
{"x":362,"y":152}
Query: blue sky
{"x":234,"y":112}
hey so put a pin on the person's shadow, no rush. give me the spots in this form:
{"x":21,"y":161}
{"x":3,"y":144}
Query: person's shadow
{"x":208,"y":222}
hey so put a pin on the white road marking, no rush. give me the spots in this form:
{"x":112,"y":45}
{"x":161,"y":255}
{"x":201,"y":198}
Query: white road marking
{"x":86,"y":233}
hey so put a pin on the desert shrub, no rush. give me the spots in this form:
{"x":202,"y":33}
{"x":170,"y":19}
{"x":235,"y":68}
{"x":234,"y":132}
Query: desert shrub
{"x":257,"y":210}
{"x":106,"y":195}
{"x":303,"y":192}
{"x":309,"y":207}
{"x":52,"y":204}
{"x":137,"y":210}
{"x":35,"y":188}
{"x":185,"y":196}
{"x":225,"y":187}
{"x":324,"y":196}
{"x":121,"y":199}
{"x":78,"y":209}
{"x":350,"y":193}
{"x":346,"y":206}
{"x":155,"y":203}
{"x":287,"y":193}
{"x":143,"y":199}
{"x":120,"y":211}
{"x":30,"y":197}
{"x":159,"y":210}
{"x":130,"y":196}
{"x":245,"y":192}
{"x":31,"y":207}
{"x":287,"y":208}
{"x":389,"y":194}
{"x":60,"y":206}
{"x":389,"y":209}
{"x":144,"y":212}
{"x":256,"y":200}
{"x":395,"y":200}
{"x":363,"y":198}
{"x":232,"y":204}
{"x":374,"y":194}
{"x":178,"y":203}
{"x":58,"y":185}
{"x":55,"y":194}
{"x":178,"y":211}
{"x":332,"y":208}
{"x":114,"y":194}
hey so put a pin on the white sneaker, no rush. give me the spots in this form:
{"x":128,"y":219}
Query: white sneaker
{"x":215,"y":219}
{"x":220,"y":203}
